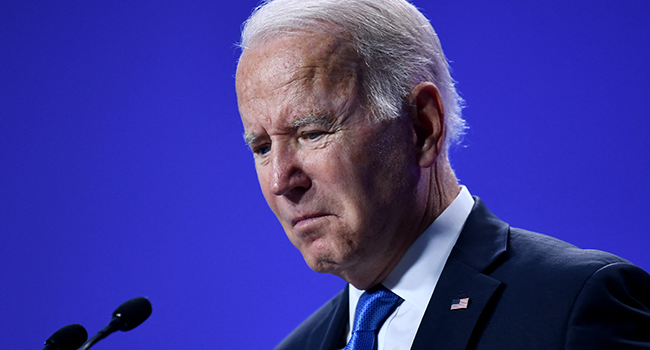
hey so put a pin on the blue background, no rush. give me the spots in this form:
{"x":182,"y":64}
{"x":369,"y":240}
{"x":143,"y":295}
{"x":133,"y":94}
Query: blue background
{"x":123,"y":171}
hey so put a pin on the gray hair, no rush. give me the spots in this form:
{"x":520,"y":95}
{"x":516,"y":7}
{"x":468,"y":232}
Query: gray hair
{"x":395,"y":42}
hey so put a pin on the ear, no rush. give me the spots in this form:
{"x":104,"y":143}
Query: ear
{"x":428,"y":116}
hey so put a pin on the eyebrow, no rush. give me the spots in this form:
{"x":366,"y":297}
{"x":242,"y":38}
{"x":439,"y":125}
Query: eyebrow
{"x":250,"y":138}
{"x":324,"y":120}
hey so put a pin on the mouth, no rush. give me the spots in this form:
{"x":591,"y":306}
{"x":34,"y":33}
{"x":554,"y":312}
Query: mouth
{"x":305,"y":220}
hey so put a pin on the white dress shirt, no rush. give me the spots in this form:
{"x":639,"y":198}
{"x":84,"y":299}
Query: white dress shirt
{"x":415,"y":277}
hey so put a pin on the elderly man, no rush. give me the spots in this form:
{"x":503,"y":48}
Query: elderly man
{"x":349,"y":109}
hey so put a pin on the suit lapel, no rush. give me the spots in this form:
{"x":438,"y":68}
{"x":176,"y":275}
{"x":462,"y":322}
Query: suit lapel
{"x":482,"y":241}
{"x":326,"y":335}
{"x":444,"y":328}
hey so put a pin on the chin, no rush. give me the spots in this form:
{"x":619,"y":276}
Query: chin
{"x":325,"y":255}
{"x":319,"y":264}
{"x":322,"y":263}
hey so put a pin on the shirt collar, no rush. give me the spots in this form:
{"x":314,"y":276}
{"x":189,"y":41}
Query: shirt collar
{"x":415,"y":277}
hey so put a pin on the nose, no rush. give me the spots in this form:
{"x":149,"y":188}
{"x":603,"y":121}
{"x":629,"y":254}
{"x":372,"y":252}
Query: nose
{"x":288,"y":177}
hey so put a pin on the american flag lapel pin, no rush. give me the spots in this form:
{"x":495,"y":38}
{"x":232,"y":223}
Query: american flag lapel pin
{"x":458,"y":304}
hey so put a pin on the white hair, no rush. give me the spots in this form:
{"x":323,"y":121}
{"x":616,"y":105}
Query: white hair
{"x":396,"y":43}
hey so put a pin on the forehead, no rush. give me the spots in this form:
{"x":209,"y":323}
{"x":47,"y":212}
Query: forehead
{"x":300,"y":73}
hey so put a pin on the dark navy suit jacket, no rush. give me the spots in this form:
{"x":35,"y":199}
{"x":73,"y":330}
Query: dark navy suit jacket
{"x":526,"y":290}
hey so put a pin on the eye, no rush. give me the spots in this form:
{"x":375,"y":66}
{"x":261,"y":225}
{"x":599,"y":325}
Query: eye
{"x":262,"y":149}
{"x":312,"y":135}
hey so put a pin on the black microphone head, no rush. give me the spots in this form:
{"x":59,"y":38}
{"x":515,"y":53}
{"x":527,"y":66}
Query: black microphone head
{"x":133,"y":312}
{"x":70,"y":337}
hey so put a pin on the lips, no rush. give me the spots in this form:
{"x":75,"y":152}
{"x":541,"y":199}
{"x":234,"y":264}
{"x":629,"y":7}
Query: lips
{"x":305,"y":219}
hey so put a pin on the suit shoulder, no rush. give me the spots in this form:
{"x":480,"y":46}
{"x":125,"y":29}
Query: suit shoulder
{"x":566,"y":297}
{"x":612,"y":310}
{"x":317,"y":324}
{"x":543,"y":250}
{"x":535,"y":262}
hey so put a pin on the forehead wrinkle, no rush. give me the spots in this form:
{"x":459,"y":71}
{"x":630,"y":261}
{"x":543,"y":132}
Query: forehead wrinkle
{"x":332,"y":92}
{"x":320,"y":73}
{"x":317,"y":119}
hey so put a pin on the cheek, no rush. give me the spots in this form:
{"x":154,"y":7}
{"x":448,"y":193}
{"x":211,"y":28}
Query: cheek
{"x":353,"y":175}
{"x":340,"y":164}
{"x":263,"y":178}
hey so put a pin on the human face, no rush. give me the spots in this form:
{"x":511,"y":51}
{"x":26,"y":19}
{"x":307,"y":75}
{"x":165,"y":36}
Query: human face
{"x":341,"y":186}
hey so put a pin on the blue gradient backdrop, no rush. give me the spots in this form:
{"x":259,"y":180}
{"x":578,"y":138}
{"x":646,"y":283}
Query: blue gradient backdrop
{"x":123,"y":171}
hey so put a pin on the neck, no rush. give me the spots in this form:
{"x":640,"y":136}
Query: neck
{"x":437,"y":189}
{"x":441,"y":187}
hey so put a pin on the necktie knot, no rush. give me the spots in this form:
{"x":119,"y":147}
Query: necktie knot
{"x":372,"y":310}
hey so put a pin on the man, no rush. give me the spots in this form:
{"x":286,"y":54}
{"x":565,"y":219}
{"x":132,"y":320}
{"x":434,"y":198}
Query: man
{"x":349,"y":109}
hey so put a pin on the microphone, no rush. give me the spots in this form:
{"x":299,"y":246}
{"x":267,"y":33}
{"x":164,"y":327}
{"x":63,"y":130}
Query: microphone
{"x":70,"y":337}
{"x":126,"y":317}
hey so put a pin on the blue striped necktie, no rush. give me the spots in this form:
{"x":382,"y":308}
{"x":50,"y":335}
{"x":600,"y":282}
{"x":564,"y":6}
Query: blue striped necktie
{"x":373,"y":309}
